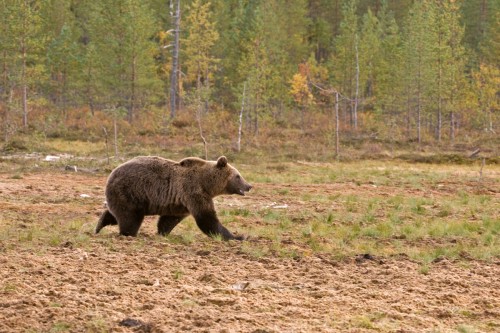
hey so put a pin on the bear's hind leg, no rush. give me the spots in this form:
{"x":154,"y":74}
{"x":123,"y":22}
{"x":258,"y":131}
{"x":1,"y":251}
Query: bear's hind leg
{"x":106,"y":219}
{"x":129,"y":223}
{"x":166,"y":223}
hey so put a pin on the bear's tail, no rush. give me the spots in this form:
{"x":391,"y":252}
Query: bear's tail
{"x":106,"y":219}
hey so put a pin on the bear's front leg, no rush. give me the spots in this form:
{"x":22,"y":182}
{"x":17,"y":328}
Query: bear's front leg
{"x":210,"y":225}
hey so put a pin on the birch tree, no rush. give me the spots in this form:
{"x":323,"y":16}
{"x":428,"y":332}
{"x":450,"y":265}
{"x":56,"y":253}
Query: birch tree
{"x":301,"y":91}
{"x":174,"y":74}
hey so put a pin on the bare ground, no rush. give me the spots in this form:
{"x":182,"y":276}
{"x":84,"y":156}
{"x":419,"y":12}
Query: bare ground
{"x":111,"y":283}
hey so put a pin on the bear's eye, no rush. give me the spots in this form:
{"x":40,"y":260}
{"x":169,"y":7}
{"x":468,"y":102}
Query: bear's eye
{"x":238,"y":177}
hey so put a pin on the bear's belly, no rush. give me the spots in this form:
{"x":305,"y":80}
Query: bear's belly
{"x":168,"y":210}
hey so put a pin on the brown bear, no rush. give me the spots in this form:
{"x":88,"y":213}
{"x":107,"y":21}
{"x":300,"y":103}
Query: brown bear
{"x":150,"y":185}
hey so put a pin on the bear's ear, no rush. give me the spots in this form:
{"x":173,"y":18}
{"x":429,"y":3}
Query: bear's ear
{"x":221,"y":162}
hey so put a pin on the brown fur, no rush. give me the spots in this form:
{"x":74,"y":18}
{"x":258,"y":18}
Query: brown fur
{"x":173,"y":190}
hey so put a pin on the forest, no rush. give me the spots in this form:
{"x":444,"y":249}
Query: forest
{"x":368,"y":130}
{"x":297,"y":70}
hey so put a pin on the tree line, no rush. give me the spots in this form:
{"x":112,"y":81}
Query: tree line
{"x":412,"y":67}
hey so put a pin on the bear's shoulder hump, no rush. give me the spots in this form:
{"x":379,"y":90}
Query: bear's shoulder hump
{"x":191,"y":162}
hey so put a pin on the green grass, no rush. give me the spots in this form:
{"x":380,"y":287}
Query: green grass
{"x":339,"y":209}
{"x":413,"y":220}
{"x":60,"y":327}
{"x":465,"y":329}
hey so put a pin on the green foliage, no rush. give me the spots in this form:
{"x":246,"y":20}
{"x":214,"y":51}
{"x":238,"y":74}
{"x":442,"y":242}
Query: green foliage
{"x":426,"y":68}
{"x":120,"y":52}
{"x":201,"y":38}
{"x":343,"y":61}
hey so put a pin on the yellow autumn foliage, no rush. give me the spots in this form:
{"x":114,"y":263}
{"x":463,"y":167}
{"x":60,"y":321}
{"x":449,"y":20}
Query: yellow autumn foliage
{"x":300,"y":90}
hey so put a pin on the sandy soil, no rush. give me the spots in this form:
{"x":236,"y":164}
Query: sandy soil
{"x":145,"y":284}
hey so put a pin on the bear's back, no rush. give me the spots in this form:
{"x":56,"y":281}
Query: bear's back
{"x":150,"y":182}
{"x":143,"y":167}
{"x":142,"y":175}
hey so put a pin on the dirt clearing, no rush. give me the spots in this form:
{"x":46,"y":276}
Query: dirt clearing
{"x":56,"y":276}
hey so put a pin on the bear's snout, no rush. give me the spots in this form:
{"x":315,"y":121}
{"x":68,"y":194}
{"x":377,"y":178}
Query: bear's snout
{"x":239,"y":187}
{"x":247,"y":187}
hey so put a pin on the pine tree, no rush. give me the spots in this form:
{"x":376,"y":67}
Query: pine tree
{"x":8,"y":66}
{"x":370,"y":57}
{"x":198,"y":45}
{"x":235,"y":23}
{"x":487,"y":77}
{"x":275,"y":46}
{"x":489,"y":47}
{"x":344,"y":62}
{"x":284,"y":26}
{"x":453,"y":63}
{"x":325,"y":16}
{"x":200,"y":63}
{"x":389,"y":90}
{"x":487,"y":81}
{"x":120,"y":41}
{"x":64,"y":65}
{"x":418,"y":70}
{"x":25,"y":45}
{"x":86,"y":82}
{"x":255,"y":68}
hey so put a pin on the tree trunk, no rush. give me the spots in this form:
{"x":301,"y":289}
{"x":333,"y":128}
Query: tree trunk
{"x":408,"y":113}
{"x":440,"y":100}
{"x":90,"y":94}
{"x":24,"y":84}
{"x":106,"y":142}
{"x":199,"y":111}
{"x":337,"y":141}
{"x":115,"y":130}
{"x":256,"y":114}
{"x":439,"y":121}
{"x":63,"y":95}
{"x":355,"y":112}
{"x":490,"y":120}
{"x":256,"y":121}
{"x":302,"y":120}
{"x":6,"y":114}
{"x":131,"y":111}
{"x":484,"y":15}
{"x":419,"y":113}
{"x":207,"y":86}
{"x":452,"y":126}
{"x":241,"y":117}
{"x":175,"y":60}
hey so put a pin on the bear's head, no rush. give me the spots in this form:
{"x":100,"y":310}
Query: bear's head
{"x":234,"y":182}
{"x":214,"y":177}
